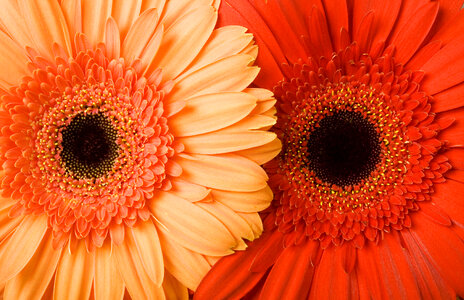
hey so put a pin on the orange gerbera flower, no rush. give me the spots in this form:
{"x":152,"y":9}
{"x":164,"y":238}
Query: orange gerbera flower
{"x":130,"y":147}
{"x":369,"y":185}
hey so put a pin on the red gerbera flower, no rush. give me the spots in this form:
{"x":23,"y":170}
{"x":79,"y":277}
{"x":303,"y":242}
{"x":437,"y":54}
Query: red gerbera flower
{"x":369,"y":185}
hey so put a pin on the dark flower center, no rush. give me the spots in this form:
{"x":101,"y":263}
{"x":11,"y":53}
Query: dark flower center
{"x":89,"y":146}
{"x":344,"y":149}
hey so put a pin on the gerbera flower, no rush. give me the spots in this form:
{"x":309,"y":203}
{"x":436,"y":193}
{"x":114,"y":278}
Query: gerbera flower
{"x":369,"y":185}
{"x":130,"y":147}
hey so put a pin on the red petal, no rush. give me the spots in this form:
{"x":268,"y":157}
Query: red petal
{"x":449,"y":196}
{"x":369,"y":273}
{"x":234,"y":270}
{"x":233,"y":12}
{"x":423,"y":55}
{"x":449,"y":99}
{"x":285,"y":36}
{"x":443,"y":247}
{"x":385,"y":14}
{"x":330,"y":281}
{"x":292,"y":273}
{"x":434,"y":213}
{"x":431,"y":285}
{"x":450,"y":21}
{"x":269,"y":251}
{"x":444,"y":69}
{"x":412,"y":33}
{"x":398,"y":277}
{"x":337,"y":18}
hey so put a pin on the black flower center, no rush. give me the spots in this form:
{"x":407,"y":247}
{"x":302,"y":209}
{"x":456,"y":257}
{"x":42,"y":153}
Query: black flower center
{"x":344,"y":149}
{"x":89,"y":146}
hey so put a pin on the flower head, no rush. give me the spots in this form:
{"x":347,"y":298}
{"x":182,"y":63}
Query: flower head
{"x":368,"y":184}
{"x":130,"y":146}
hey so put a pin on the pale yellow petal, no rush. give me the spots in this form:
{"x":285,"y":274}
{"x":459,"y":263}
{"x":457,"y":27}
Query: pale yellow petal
{"x":47,"y":25}
{"x":263,"y":154}
{"x":252,"y":122}
{"x":17,"y":250}
{"x":255,"y":222}
{"x":183,"y":40}
{"x":191,"y":226}
{"x":149,"y":249}
{"x":95,"y":13}
{"x":158,"y":4}
{"x":234,"y":223}
{"x":173,"y":289}
{"x":244,"y":202}
{"x":34,"y":279}
{"x":139,"y":35}
{"x":125,"y":13}
{"x":189,"y":191}
{"x":211,"y":112}
{"x":212,"y":260}
{"x":216,"y":4}
{"x":223,"y":172}
{"x":75,"y":272}
{"x":174,"y":10}
{"x":107,"y":282}
{"x":223,"y":42}
{"x":112,"y":39}
{"x":13,"y":62}
{"x":231,"y":74}
{"x":261,"y":94}
{"x":131,"y":269}
{"x":185,"y":265}
{"x":11,"y":19}
{"x":226,"y":142}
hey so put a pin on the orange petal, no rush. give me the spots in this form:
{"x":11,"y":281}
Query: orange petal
{"x":173,"y":289}
{"x":231,"y":74}
{"x":94,"y":16}
{"x":107,"y":282}
{"x":17,"y":250}
{"x":139,"y":35}
{"x":223,"y":172}
{"x":7,"y":224}
{"x":112,"y":39}
{"x":189,"y":191}
{"x":11,"y":19}
{"x":74,"y":275}
{"x":263,"y":154}
{"x":225,"y":142}
{"x":6,"y":203}
{"x":183,"y":40}
{"x":13,"y":62}
{"x":245,"y":202}
{"x":191,"y":226}
{"x":185,"y":265}
{"x":223,"y":42}
{"x":149,"y":248}
{"x":131,"y":269}
{"x":47,"y":25}
{"x":211,"y":112}
{"x":72,"y":12}
{"x":34,"y":279}
{"x":125,"y":13}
